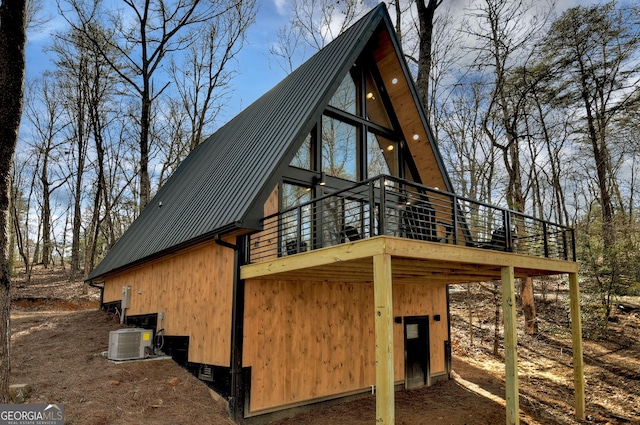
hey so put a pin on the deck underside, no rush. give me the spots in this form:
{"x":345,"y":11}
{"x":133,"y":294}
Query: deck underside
{"x":412,"y":261}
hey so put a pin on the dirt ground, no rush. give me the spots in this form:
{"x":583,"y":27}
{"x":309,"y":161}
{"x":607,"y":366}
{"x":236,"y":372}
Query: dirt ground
{"x":58,"y":335}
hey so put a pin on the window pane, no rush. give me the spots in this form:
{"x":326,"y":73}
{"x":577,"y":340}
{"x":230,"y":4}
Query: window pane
{"x":382,"y":156}
{"x":376,"y":111}
{"x":345,"y":97}
{"x":293,"y":195}
{"x":339,"y":149}
{"x":296,"y":224}
{"x":302,"y":159}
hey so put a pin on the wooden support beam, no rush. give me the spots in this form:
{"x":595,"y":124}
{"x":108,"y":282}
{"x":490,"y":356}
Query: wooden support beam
{"x":576,"y":335}
{"x":382,"y":286}
{"x":510,"y":345}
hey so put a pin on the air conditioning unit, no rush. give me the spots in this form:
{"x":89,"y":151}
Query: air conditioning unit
{"x":129,"y":344}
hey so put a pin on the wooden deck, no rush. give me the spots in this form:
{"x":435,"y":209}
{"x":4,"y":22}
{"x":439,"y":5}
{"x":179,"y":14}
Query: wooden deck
{"x":388,"y":261}
{"x":411,"y":262}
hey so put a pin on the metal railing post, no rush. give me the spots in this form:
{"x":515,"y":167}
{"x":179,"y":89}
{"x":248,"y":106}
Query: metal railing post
{"x":507,"y":231}
{"x":545,"y":239}
{"x":383,"y":207}
{"x":372,"y":208}
{"x":299,"y":230}
{"x":454,"y":206}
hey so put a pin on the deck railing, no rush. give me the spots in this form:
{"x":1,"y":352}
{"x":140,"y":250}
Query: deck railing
{"x":391,"y":206}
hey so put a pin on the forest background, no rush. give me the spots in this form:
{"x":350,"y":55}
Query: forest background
{"x":534,"y":104}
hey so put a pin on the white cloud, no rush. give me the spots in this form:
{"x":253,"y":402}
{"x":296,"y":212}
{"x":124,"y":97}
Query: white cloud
{"x":281,"y":6}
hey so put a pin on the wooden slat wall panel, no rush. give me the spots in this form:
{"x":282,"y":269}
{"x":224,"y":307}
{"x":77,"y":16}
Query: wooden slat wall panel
{"x":421,"y":300}
{"x":305,"y":340}
{"x":194,"y":290}
{"x":265,"y":243}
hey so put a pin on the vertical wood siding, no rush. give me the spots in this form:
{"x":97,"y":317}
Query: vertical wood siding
{"x":305,"y":340}
{"x":194,"y":291}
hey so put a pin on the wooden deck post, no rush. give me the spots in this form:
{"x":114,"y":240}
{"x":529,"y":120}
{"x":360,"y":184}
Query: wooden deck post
{"x":576,"y":335}
{"x":382,"y":287}
{"x":510,"y":345}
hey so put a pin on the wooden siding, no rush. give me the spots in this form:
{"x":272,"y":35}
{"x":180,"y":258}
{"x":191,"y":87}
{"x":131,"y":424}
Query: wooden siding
{"x":265,"y":243}
{"x":194,"y":290}
{"x":421,"y":300}
{"x":307,"y":340}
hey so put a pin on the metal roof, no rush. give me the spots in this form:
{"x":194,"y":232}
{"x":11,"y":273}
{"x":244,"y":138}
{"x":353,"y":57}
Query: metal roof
{"x":220,"y":184}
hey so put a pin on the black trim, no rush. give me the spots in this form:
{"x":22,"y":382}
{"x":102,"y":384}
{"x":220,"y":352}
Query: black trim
{"x":144,"y":321}
{"x":218,"y":378}
{"x":112,"y":307}
{"x":101,"y":288}
{"x":447,"y":343}
{"x":237,"y":394}
{"x":178,"y":348}
{"x":174,"y":249}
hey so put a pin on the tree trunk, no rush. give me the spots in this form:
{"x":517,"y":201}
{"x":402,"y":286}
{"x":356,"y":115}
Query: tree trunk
{"x":46,"y":210}
{"x":528,"y":306}
{"x":77,"y":202}
{"x":425,"y":34}
{"x":145,"y":182}
{"x":470,"y":308}
{"x":12,"y":65}
{"x":497,"y":303}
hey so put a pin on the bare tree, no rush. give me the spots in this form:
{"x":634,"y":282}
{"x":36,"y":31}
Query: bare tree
{"x":204,"y":75}
{"x":313,"y":24}
{"x":12,"y":66}
{"x":44,"y":112}
{"x":20,"y":206}
{"x":426,"y":17}
{"x":508,"y":33}
{"x":71,"y":72}
{"x":594,"y":52}
{"x":144,"y":35}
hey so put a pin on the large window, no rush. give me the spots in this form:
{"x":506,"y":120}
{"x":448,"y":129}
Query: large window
{"x":340,"y":148}
{"x":356,"y":138}
{"x":304,"y":155}
{"x":346,"y":98}
{"x":376,"y":111}
{"x":296,"y":224}
{"x":382,"y":156}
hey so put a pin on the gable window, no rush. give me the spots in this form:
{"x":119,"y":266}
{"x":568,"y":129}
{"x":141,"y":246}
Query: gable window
{"x":302,"y":159}
{"x":357,"y":136}
{"x":382,"y":155}
{"x":340,"y":149}
{"x":376,"y":111}
{"x":345,"y":98}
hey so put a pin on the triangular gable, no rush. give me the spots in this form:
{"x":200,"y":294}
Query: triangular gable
{"x":222,"y":185}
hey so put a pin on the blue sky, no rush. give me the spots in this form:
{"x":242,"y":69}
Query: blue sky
{"x":256,"y":73}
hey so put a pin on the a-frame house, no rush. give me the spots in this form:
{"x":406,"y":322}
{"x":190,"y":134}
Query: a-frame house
{"x":303,"y":253}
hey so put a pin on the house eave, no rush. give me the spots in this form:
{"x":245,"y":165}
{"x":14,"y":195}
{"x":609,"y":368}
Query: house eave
{"x":202,"y":239}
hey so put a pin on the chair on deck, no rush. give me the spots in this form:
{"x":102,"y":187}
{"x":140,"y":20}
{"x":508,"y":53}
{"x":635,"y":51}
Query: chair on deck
{"x":349,"y":233}
{"x":419,"y":222}
{"x":293,"y":247}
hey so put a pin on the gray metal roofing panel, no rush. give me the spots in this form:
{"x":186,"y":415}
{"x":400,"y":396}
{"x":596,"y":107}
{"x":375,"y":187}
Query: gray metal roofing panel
{"x":222,"y":179}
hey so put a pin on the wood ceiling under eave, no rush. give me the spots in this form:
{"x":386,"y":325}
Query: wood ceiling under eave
{"x":405,"y":108}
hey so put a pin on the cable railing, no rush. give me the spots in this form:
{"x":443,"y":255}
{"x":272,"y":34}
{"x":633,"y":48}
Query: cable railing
{"x":391,"y":206}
